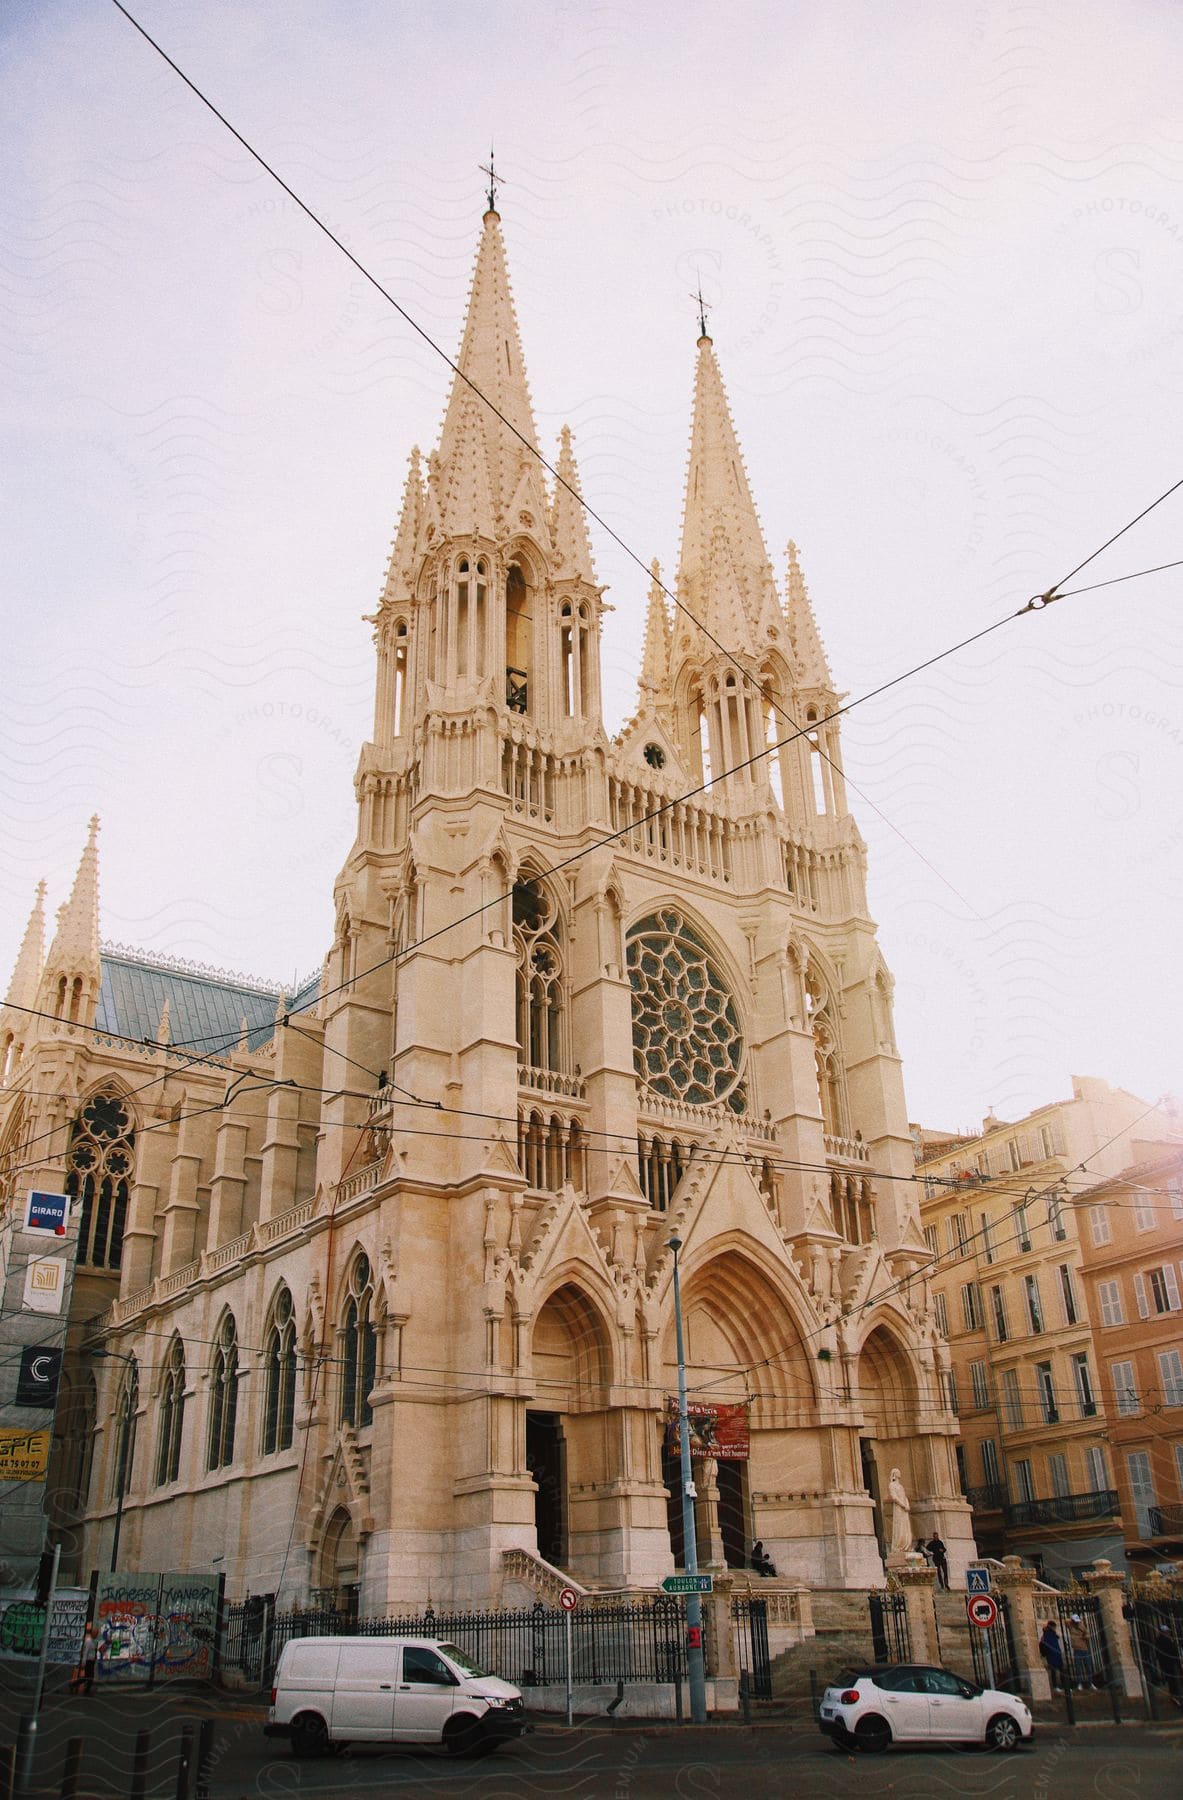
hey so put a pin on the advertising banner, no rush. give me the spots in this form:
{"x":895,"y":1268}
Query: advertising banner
{"x":719,"y":1431}
{"x":47,"y":1212}
{"x":24,"y":1455}
{"x":38,"y":1375}
{"x":45,"y":1284}
{"x":156,"y":1627}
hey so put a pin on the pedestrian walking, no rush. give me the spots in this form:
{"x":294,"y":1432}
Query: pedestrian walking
{"x":1082,"y":1656}
{"x":940,"y":1557}
{"x":1052,"y":1652}
{"x":82,"y":1680}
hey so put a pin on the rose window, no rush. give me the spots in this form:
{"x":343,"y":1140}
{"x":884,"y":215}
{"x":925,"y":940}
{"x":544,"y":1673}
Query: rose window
{"x":687,"y":1040}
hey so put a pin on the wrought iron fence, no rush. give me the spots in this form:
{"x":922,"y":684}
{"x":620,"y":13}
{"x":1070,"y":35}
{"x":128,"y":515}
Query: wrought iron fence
{"x":1157,"y":1627}
{"x":750,"y":1616}
{"x":999,"y":1668}
{"x":891,"y":1636}
{"x":642,"y":1640}
{"x":1082,"y":1636}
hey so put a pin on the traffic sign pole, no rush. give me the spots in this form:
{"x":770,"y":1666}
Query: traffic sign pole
{"x":695,"y":1662}
{"x":567,"y":1611}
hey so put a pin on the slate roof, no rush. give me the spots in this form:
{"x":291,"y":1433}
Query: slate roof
{"x":205,"y":1008}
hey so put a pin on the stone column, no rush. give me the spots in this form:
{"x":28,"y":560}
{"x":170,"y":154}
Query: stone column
{"x":916,"y":1578}
{"x":1016,"y":1583}
{"x":720,"y":1640}
{"x":1108,"y":1584}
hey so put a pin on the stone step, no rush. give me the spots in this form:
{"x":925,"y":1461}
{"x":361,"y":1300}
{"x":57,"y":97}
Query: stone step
{"x":828,"y":1654}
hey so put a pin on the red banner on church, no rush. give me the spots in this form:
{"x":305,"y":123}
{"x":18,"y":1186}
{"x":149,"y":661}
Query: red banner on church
{"x":719,"y":1431}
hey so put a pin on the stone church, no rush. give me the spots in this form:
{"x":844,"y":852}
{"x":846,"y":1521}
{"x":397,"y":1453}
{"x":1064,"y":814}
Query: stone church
{"x":374,"y":1287}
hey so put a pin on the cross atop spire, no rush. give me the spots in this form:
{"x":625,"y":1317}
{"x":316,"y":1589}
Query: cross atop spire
{"x":495,"y":181}
{"x":703,"y":306}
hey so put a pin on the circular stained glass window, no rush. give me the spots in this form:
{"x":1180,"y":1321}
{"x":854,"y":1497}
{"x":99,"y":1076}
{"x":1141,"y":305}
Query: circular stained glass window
{"x":687,"y":1040}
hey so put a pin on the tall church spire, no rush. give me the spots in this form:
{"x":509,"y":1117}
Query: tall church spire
{"x":810,"y":666}
{"x":400,"y":569}
{"x":26,"y":975}
{"x":724,"y":573}
{"x":75,"y":947}
{"x":484,"y":474}
{"x":568,"y":526}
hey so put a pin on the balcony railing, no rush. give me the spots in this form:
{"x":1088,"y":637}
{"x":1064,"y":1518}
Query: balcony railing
{"x":1165,"y":1521}
{"x":991,"y":1498}
{"x":1063,"y":1509}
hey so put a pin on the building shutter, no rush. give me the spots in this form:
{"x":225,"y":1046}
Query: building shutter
{"x":1171,"y":1280}
{"x":1140,"y":1296}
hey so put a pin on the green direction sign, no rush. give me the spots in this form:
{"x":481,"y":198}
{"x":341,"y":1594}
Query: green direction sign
{"x":688,"y":1584}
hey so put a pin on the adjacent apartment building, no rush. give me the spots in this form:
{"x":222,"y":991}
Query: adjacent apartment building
{"x":1132,"y":1246}
{"x":1001,"y":1213}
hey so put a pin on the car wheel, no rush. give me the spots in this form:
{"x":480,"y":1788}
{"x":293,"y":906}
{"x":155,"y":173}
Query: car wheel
{"x":463,"y":1736}
{"x":1002,"y":1733}
{"x":310,"y":1735}
{"x":871,"y":1736}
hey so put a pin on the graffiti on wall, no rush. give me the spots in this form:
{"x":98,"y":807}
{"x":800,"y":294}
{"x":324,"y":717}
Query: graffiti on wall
{"x":156,"y":1627}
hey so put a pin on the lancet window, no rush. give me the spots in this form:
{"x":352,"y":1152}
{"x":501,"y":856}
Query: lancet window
{"x":126,"y":1423}
{"x":279,"y":1375}
{"x":574,"y":641}
{"x":98,"y":1172}
{"x":223,"y":1406}
{"x":172,"y":1415}
{"x":539,"y":979}
{"x":518,"y":626}
{"x":77,"y":1417}
{"x":359,"y":1347}
{"x":661,"y":1165}
{"x":399,"y":678}
{"x":551,"y":1151}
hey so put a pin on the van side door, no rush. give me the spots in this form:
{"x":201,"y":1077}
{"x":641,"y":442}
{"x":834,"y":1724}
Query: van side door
{"x":363,"y":1697}
{"x":423,"y":1702}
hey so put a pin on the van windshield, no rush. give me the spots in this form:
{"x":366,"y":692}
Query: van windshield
{"x":462,"y":1660}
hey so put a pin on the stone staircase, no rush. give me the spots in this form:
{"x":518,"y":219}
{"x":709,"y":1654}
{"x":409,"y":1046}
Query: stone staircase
{"x":842,"y":1636}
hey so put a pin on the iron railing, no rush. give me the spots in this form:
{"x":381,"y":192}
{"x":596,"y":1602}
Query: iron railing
{"x":641,"y":1640}
{"x":991,"y":1498}
{"x":1082,"y":1639}
{"x":891,"y":1636}
{"x":750,"y":1615}
{"x":1063,"y":1509}
{"x":1001,"y":1668}
{"x":1165,"y":1521}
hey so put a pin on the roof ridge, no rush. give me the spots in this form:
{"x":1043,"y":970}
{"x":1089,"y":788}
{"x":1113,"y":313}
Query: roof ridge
{"x":180,"y":965}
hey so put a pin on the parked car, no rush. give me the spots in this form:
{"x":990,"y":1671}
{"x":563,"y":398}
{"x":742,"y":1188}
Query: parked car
{"x":915,"y":1703}
{"x":379,"y":1690}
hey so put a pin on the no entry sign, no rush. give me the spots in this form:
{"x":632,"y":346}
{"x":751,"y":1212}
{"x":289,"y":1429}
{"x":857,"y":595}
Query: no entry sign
{"x":981,"y":1610}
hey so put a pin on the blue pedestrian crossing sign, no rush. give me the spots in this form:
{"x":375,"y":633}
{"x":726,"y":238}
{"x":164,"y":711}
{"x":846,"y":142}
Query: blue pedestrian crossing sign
{"x":977,"y":1581}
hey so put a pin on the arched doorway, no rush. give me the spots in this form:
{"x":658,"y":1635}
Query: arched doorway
{"x":566,"y":1450}
{"x":743,"y":1348}
{"x":886,"y":1392}
{"x":340,"y":1564}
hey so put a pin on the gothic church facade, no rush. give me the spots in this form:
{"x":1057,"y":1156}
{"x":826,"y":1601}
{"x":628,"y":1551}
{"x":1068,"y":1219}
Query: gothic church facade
{"x":378,"y":1274}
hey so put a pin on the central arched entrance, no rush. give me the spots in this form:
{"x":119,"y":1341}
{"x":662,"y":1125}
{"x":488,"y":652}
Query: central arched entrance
{"x":886,"y":1391}
{"x":566,"y":1434}
{"x":743,"y":1348}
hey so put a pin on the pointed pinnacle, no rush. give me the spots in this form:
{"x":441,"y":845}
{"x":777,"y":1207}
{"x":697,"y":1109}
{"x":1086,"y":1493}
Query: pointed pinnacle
{"x":75,"y":946}
{"x":568,"y":524}
{"x":812,"y":669}
{"x":655,"y":656}
{"x":30,"y":958}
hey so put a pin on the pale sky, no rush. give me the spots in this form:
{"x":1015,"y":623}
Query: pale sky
{"x":944,"y":250}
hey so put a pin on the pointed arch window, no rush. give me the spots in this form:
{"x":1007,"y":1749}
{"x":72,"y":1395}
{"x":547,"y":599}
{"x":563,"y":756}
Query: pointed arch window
{"x":539,"y":979}
{"x":399,"y":678}
{"x":98,"y":1172}
{"x":223,"y":1402}
{"x":126,"y":1420}
{"x":279,"y":1380}
{"x":574,"y":638}
{"x":77,"y":1418}
{"x":359,"y":1360}
{"x":517,"y":640}
{"x":172,"y":1416}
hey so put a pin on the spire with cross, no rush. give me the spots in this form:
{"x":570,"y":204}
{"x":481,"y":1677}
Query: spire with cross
{"x":703,"y":309}
{"x":495,"y":180}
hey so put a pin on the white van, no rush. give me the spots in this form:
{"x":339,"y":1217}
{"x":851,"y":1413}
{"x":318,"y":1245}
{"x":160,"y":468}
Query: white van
{"x":380,"y":1690}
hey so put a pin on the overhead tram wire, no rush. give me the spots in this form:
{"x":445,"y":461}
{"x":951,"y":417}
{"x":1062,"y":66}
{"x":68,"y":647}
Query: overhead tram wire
{"x":532,"y":449}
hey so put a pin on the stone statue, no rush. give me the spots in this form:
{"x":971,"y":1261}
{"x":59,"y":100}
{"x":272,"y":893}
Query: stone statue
{"x":901,"y":1515}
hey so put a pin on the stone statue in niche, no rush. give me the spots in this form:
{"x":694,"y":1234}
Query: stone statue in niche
{"x":901,"y":1515}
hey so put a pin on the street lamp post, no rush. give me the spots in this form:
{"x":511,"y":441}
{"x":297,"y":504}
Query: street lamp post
{"x":695,"y":1664}
{"x":121,"y":1465}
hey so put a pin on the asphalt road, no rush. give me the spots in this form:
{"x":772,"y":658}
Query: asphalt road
{"x":624,"y":1762}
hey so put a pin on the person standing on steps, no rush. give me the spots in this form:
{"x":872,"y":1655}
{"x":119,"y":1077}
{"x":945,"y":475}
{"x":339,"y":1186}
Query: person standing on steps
{"x":940,"y":1557}
{"x":1052,"y":1652}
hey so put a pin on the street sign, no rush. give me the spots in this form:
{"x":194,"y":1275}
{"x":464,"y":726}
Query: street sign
{"x":688,"y":1584}
{"x":981,"y":1610}
{"x":977,"y":1581}
{"x":568,"y":1599}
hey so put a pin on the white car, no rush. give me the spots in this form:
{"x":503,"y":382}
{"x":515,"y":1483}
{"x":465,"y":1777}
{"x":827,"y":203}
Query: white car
{"x":914,"y":1703}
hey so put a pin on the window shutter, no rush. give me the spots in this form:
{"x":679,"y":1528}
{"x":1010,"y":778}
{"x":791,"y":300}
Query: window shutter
{"x":1172,"y":1286}
{"x":1140,"y":1296}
